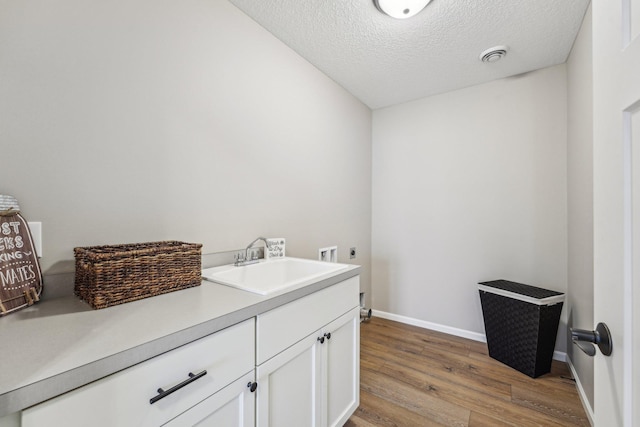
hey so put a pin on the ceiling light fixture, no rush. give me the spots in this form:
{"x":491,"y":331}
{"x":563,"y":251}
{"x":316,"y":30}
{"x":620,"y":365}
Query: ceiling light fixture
{"x":493,"y":54}
{"x":401,"y":9}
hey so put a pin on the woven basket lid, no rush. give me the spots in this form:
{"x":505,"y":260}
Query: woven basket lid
{"x":522,"y":292}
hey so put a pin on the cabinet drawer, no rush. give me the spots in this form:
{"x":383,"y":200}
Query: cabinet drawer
{"x":286,"y":325}
{"x":123,"y":398}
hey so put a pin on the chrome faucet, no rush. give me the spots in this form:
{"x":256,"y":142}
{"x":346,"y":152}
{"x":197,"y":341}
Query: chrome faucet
{"x":246,"y":260}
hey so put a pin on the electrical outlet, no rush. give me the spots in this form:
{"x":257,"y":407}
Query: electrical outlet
{"x":352,"y":253}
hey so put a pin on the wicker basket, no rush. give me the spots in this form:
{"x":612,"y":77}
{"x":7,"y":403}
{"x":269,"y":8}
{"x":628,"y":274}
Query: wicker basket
{"x":521,"y":323}
{"x":115,"y":274}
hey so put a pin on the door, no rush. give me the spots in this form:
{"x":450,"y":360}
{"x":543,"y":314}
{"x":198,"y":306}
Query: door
{"x":233,"y":406}
{"x":341,"y":363}
{"x":616,"y":97}
{"x":289,"y":387}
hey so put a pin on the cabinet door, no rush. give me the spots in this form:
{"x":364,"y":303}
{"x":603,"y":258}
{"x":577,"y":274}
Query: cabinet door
{"x":342,"y":366}
{"x":233,"y":406}
{"x":289,"y":387}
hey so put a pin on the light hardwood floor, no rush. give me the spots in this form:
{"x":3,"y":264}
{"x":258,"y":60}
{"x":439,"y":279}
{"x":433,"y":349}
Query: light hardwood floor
{"x":411,"y":376}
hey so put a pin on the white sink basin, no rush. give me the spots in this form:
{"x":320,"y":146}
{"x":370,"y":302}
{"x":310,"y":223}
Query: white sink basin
{"x":271,"y":276}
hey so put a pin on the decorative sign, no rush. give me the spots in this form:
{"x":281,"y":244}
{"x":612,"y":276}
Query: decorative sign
{"x":275,"y":249}
{"x":20,"y":275}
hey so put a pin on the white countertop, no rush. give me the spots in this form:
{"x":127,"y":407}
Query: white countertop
{"x":61,"y":344}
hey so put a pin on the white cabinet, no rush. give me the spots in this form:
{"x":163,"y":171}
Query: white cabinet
{"x":291,"y":387}
{"x":203,"y":367}
{"x":303,"y":356}
{"x":233,"y":406}
{"x":341,"y":363}
{"x":282,"y":327}
{"x":315,"y":380}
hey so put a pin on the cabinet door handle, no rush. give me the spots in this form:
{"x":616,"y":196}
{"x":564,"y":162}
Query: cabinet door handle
{"x":252,"y":386}
{"x":164,"y":393}
{"x":328,"y":335}
{"x":321,"y":339}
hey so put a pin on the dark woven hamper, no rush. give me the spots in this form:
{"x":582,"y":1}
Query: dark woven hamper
{"x":116,"y":274}
{"x":521,"y":323}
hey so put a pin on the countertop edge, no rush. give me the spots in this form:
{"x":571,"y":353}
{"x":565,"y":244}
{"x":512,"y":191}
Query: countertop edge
{"x":37,"y":392}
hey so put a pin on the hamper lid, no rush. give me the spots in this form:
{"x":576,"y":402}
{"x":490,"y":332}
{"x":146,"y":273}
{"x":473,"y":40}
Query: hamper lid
{"x":522,"y":292}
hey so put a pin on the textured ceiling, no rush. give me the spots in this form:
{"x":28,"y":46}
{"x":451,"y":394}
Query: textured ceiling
{"x":385,"y":61}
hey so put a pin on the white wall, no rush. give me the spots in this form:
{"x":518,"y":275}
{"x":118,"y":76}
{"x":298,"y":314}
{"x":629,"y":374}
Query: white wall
{"x":470,"y":186}
{"x":140,"y":120}
{"x":580,"y":199}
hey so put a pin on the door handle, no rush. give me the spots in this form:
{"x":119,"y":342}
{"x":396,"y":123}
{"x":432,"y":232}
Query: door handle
{"x":164,"y":393}
{"x":585,"y":340}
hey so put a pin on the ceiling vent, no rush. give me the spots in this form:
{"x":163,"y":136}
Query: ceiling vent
{"x":493,"y":54}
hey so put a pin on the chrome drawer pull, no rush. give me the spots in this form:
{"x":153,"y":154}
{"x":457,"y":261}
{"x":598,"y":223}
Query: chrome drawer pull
{"x":164,"y":393}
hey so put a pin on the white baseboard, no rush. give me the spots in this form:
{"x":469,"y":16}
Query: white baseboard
{"x":560,"y":356}
{"x":432,"y":326}
{"x":583,"y":397}
{"x":476,"y":336}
